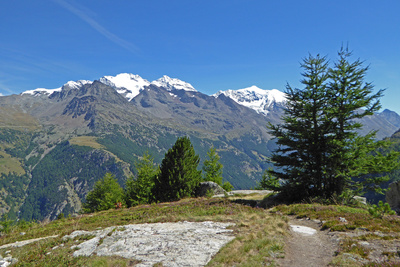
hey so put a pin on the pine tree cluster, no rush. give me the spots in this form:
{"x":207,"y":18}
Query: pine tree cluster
{"x":177,"y":177}
{"x":320,"y":153}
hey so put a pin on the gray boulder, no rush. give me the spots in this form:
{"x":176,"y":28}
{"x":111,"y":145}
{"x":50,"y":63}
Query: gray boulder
{"x":393,"y":196}
{"x":206,"y":188}
{"x":362,"y":200}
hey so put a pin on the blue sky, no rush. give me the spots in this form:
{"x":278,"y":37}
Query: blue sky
{"x":214,"y":45}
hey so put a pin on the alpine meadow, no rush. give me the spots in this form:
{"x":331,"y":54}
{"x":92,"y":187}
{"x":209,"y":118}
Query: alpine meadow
{"x":121,"y":171}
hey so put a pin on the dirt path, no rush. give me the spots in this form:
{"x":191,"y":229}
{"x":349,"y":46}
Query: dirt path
{"x":306,"y":247}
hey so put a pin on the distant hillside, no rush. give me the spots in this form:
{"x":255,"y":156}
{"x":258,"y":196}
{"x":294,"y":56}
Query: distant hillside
{"x":56,"y":143}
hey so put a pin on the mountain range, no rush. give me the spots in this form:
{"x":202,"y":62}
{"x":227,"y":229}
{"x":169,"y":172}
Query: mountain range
{"x":56,"y":143}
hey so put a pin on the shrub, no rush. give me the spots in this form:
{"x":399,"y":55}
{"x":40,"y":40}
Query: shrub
{"x":6,"y":224}
{"x":105,"y":194}
{"x":380,"y":210}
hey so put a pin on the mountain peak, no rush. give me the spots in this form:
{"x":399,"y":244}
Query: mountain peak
{"x":77,"y":84}
{"x":255,"y":98}
{"x":127,"y":84}
{"x":41,"y":91}
{"x":173,"y":83}
{"x":47,"y":92}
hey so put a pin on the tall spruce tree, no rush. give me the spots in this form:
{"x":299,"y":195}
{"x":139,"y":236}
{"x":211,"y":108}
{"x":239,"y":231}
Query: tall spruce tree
{"x":320,"y":153}
{"x":302,"y":138}
{"x":178,"y":176}
{"x":357,"y":159}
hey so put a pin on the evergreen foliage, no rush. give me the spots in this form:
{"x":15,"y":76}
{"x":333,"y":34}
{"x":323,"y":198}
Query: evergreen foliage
{"x":320,"y":153}
{"x":213,"y":170}
{"x":14,"y":185}
{"x":178,"y":172}
{"x":268,"y":181}
{"x":139,"y":190}
{"x":378,"y":211}
{"x":105,"y":195}
{"x":212,"y":167}
{"x":5,"y":224}
{"x":227,"y":186}
{"x":65,"y":164}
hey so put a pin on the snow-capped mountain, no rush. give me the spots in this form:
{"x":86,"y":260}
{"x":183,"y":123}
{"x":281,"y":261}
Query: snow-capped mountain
{"x":255,"y":98}
{"x":172,"y":83}
{"x":44,"y":91}
{"x":41,"y":91}
{"x":126,"y":84}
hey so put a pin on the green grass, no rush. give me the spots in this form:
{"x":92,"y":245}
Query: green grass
{"x":355,"y":217}
{"x":89,"y":141}
{"x":10,"y":164}
{"x":259,"y":234}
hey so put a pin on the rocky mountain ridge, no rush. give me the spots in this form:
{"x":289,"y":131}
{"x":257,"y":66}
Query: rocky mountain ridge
{"x":55,"y":144}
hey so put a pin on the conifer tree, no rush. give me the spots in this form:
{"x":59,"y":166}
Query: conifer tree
{"x":212,"y":167}
{"x":213,"y":170}
{"x":139,"y":190}
{"x":320,"y":153}
{"x":357,"y":159}
{"x":105,"y":195}
{"x":302,"y":138}
{"x":178,"y":176}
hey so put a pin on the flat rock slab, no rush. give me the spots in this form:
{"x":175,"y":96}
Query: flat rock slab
{"x":172,"y":244}
{"x":304,"y":230}
{"x":19,"y":244}
{"x":245,"y":192}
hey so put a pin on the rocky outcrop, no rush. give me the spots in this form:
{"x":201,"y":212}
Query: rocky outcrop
{"x":393,"y":196}
{"x":209,"y":188}
{"x":169,"y":244}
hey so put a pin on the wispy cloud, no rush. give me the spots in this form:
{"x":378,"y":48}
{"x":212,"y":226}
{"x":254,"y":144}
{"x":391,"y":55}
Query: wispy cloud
{"x":95,"y":25}
{"x":5,"y":88}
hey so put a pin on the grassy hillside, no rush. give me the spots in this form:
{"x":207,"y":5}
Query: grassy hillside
{"x":260,"y":235}
{"x":53,"y":175}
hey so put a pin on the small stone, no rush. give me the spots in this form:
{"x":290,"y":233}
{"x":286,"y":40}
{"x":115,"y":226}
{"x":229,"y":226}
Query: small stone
{"x":22,"y":233}
{"x":343,"y":220}
{"x":379,"y":234}
{"x":364,"y":243}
